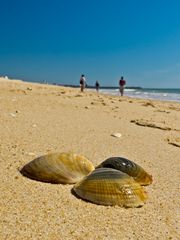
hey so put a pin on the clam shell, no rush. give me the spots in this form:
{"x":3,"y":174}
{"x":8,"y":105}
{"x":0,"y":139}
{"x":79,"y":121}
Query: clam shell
{"x":108,"y":186}
{"x":58,"y":168}
{"x":129,"y":167}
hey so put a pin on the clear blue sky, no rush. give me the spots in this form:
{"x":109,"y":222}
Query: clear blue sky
{"x":58,"y":40}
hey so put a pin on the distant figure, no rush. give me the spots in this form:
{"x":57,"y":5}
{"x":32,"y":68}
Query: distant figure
{"x":122,"y":84}
{"x":82,"y":82}
{"x":97,"y":86}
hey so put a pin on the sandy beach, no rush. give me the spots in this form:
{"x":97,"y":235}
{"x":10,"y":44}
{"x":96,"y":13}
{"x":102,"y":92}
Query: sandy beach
{"x":37,"y":119}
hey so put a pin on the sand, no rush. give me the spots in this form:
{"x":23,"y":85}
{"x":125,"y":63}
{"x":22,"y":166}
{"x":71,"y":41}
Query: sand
{"x":37,"y":119}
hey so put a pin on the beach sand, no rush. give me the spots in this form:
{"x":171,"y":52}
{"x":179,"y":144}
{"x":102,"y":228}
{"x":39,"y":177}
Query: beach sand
{"x":37,"y":119}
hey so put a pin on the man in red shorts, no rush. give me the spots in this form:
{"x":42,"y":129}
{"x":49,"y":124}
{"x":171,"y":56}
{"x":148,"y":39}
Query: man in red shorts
{"x":122,"y":84}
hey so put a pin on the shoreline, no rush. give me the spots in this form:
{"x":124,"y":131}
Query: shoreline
{"x":89,"y":90}
{"x":37,"y":119}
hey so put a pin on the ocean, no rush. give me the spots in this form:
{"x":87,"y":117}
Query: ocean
{"x":147,"y":93}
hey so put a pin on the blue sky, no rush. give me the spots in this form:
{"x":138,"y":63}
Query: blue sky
{"x":58,"y":40}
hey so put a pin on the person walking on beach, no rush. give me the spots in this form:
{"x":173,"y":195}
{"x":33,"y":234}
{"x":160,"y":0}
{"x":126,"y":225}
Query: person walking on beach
{"x":97,"y":86}
{"x":82,"y":82}
{"x":122,"y":84}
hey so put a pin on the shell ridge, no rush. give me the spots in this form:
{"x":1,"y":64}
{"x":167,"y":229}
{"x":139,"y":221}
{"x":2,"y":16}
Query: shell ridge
{"x":58,"y":168}
{"x":110,"y":187}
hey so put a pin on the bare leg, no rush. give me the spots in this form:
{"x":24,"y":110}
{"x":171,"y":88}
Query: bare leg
{"x":82,"y":88}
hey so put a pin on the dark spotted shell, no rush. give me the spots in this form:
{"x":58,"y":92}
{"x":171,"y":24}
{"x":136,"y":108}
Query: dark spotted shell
{"x":108,"y":186}
{"x":129,"y":167}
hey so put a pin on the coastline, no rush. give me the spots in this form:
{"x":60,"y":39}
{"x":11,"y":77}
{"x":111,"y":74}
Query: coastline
{"x":135,"y":92}
{"x":37,"y":119}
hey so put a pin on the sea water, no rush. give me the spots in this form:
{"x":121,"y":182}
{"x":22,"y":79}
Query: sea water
{"x":147,"y":93}
{"x":163,"y":94}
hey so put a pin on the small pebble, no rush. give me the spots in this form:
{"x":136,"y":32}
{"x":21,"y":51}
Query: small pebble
{"x":29,"y":88}
{"x":117,"y":135}
{"x":12,"y":114}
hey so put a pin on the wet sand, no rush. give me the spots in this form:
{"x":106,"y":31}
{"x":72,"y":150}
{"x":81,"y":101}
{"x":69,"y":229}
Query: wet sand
{"x":37,"y":119}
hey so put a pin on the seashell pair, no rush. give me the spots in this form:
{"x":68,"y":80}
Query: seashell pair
{"x":116,"y":181}
{"x":108,"y":186}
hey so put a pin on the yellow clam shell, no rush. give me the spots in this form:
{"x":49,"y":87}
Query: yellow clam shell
{"x":129,"y":167}
{"x":58,"y":168}
{"x":108,"y":186}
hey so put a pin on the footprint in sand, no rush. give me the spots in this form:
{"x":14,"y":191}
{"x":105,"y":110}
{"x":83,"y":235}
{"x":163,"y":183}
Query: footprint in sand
{"x":162,"y":111}
{"x":146,"y":123}
{"x":146,"y":104}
